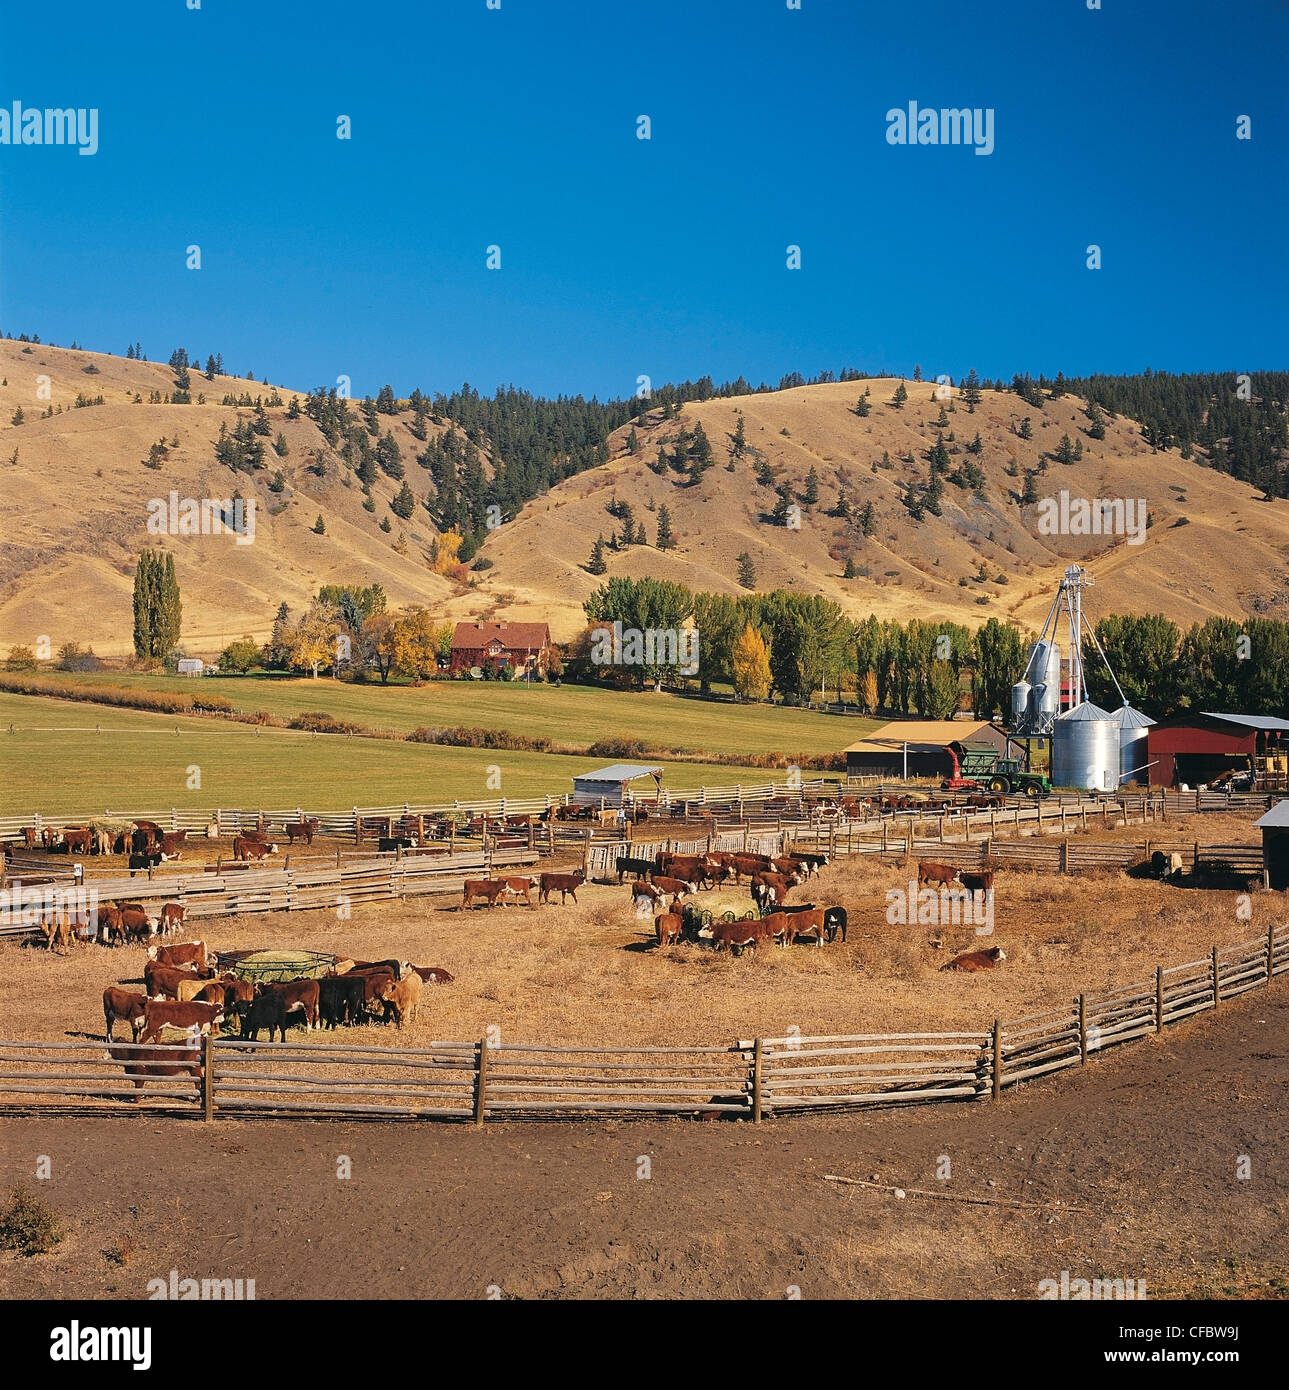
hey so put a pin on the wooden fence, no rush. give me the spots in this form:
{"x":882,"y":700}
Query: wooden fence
{"x":489,"y":1079}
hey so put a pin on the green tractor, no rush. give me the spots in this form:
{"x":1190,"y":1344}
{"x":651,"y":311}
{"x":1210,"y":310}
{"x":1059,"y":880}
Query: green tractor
{"x":979,"y":767}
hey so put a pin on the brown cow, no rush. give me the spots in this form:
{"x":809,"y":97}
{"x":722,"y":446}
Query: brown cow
{"x":247,"y":849}
{"x":646,"y":892}
{"x":668,"y":927}
{"x":488,"y":890}
{"x":299,"y":996}
{"x":124,"y":1003}
{"x":433,"y":974}
{"x":135,"y":923}
{"x":154,"y":1063}
{"x":29,"y":837}
{"x":301,"y":830}
{"x":978,"y":883}
{"x":163,"y":981}
{"x":976,"y":960}
{"x":677,"y":887}
{"x":810,"y":923}
{"x":693,"y":868}
{"x":181,"y":953}
{"x":563,"y":883}
{"x":520,"y":888}
{"x":77,"y":841}
{"x":160,"y":1013}
{"x":172,"y":842}
{"x":738,"y":936}
{"x":931,"y":872}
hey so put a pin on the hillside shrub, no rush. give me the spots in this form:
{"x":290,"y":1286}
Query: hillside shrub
{"x":316,"y":722}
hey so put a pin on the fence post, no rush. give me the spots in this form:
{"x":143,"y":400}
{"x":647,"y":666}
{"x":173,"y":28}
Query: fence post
{"x":998,"y":1058}
{"x":1083,"y":1030}
{"x":208,"y":1077}
{"x":586,"y":853}
{"x":1159,"y":999}
{"x":480,"y":1081}
{"x":756,"y":1082}
{"x":1065,"y":857}
{"x":1271,"y":950}
{"x":1217,"y":993}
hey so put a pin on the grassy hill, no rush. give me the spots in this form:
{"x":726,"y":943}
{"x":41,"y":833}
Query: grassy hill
{"x":74,"y":512}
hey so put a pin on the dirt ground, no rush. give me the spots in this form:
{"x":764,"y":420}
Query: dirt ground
{"x":1127,"y":1169}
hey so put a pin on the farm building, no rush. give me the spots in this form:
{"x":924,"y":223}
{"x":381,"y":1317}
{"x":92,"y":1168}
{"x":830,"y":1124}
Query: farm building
{"x":882,"y":753}
{"x":190,"y":666}
{"x":517,"y":645}
{"x":609,"y":785}
{"x":1198,"y":748}
{"x":1275,"y":844}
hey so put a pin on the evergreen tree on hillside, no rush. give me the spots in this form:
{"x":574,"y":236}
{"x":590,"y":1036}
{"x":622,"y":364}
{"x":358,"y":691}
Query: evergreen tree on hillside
{"x":665,"y":539}
{"x":900,"y":396}
{"x":597,"y":563}
{"x":811,"y":495}
{"x":389,"y":456}
{"x":971,"y":391}
{"x":740,"y":437}
{"x":1065,"y":450}
{"x":862,"y":407}
{"x":633,"y":441}
{"x":746,"y":571}
{"x":404,"y":503}
{"x":385,"y":402}
{"x":1026,"y":428}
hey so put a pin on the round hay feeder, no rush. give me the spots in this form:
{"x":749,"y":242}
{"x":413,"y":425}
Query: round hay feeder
{"x":271,"y":967}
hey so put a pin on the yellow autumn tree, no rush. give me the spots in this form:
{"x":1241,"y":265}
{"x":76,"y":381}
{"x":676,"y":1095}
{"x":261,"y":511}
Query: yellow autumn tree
{"x":415,"y":644}
{"x":868,"y":692}
{"x":751,"y":665}
{"x":445,"y":550}
{"x":312,"y":642}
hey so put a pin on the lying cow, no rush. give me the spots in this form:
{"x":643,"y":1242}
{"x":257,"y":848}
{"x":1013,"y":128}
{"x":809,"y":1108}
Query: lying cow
{"x":564,"y":884}
{"x":245,"y":848}
{"x":433,"y":974}
{"x":976,"y":960}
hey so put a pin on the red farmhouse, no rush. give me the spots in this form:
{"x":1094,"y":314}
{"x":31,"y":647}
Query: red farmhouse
{"x":508,"y":644}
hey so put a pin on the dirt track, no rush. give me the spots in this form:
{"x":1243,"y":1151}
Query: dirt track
{"x":1132,"y":1163}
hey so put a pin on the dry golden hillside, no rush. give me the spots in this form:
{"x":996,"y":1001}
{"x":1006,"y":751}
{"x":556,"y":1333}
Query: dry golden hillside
{"x":1230,"y":556}
{"x":74,"y":512}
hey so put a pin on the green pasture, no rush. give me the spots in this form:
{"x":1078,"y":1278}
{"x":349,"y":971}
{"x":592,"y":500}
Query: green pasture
{"x":566,"y":714}
{"x":65,"y":757}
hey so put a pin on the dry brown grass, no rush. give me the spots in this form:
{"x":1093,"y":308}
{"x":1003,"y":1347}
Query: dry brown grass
{"x":588,"y":973}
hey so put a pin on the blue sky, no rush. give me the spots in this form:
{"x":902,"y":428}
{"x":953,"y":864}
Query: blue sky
{"x":517,"y":127}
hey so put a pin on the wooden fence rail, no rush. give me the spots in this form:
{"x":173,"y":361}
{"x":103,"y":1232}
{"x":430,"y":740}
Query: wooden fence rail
{"x":752,"y":1077}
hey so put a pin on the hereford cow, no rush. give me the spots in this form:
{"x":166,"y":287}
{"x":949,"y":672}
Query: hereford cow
{"x":402,"y":1000}
{"x":30,"y":837}
{"x":668,"y":927}
{"x":124,"y":1003}
{"x":247,"y":849}
{"x":77,"y":841}
{"x":802,"y":925}
{"x":155,"y":1063}
{"x":181,"y":953}
{"x":564,"y":884}
{"x":163,"y":981}
{"x":677,"y":887}
{"x":931,"y":872}
{"x":301,"y":830}
{"x":433,"y":974}
{"x":172,"y":841}
{"x":161,"y":1013}
{"x":738,"y":936}
{"x":520,"y":888}
{"x":976,"y":960}
{"x":487,"y":890}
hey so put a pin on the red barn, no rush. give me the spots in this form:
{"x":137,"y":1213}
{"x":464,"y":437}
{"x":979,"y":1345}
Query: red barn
{"x":508,"y":644}
{"x":1196,"y":748}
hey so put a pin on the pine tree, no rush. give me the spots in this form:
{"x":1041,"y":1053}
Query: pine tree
{"x":633,"y":441}
{"x":868,"y":519}
{"x":779,"y":516}
{"x":917,"y":371}
{"x":849,"y":572}
{"x":977,"y":445}
{"x":740,"y":437}
{"x":319,"y":527}
{"x":1065,"y":450}
{"x":18,"y":416}
{"x":597,"y":563}
{"x":404,"y":503}
{"x":862,"y":407}
{"x":665,"y":539}
{"x":1078,"y":451}
{"x":280,"y":445}
{"x":1030,"y":493}
{"x":746,"y":571}
{"x":640,"y":537}
{"x":1026,"y":428}
{"x":971,"y":391}
{"x":943,"y":421}
{"x":811,"y":495}
{"x":764,"y":474}
{"x":900,"y":396}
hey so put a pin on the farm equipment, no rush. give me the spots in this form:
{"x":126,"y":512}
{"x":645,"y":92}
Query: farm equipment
{"x":979,"y":767}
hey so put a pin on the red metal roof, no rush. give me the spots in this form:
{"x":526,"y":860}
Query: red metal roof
{"x":514,"y":636}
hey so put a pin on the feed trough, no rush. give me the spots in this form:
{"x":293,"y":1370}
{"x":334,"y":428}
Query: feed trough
{"x":719,"y":905}
{"x":267,"y":967}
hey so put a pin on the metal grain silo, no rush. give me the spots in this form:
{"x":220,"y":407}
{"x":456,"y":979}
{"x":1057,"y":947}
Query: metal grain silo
{"x":1020,"y":702}
{"x":1044,"y":674}
{"x":1132,"y":744}
{"x":1085,"y":749}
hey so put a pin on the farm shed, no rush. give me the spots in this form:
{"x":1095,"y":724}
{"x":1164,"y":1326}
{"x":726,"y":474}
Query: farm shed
{"x":881,"y":754}
{"x":1196,"y":748}
{"x":508,"y":644}
{"x":190,"y":666}
{"x":610,"y":784}
{"x":1275,"y":844}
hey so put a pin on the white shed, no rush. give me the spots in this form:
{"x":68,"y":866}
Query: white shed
{"x":609,"y":785}
{"x":190,"y":666}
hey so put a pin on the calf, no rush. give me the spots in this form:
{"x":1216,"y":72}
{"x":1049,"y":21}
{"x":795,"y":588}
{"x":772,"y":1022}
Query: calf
{"x":124,"y":1003}
{"x":163,"y":981}
{"x":739,"y":936}
{"x":488,"y":890}
{"x":387,"y":844}
{"x":267,"y":1010}
{"x":978,"y":883}
{"x":160,"y":1013}
{"x":799,"y":925}
{"x":298,"y":996}
{"x":642,"y":892}
{"x":564,"y":884}
{"x":931,"y":872}
{"x":772,"y":888}
{"x":301,"y":830}
{"x":182,"y":952}
{"x":668,"y":926}
{"x":520,"y":888}
{"x":402,"y":1000}
{"x":642,"y":868}
{"x":433,"y":974}
{"x":976,"y":960}
{"x":245,"y":848}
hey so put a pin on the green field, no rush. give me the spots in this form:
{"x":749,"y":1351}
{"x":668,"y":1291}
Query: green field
{"x":56,"y":763}
{"x":569,"y":715}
